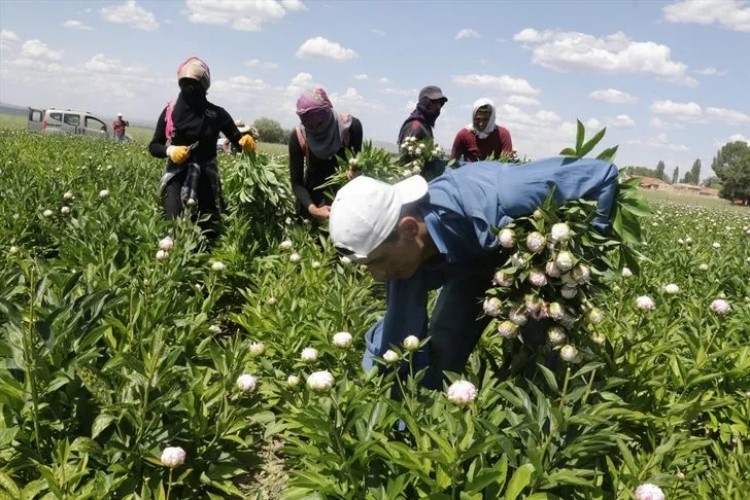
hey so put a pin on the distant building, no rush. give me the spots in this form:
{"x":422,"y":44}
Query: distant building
{"x":649,"y":182}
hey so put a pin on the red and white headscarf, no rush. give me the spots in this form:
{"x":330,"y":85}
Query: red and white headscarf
{"x":491,"y":125}
{"x":196,"y":69}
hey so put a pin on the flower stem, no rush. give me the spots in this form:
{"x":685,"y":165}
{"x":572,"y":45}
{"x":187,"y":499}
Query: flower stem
{"x":169,"y":483}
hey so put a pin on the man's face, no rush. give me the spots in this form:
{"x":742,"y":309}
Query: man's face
{"x":394,"y":260}
{"x":481,"y":119}
{"x":435,"y":106}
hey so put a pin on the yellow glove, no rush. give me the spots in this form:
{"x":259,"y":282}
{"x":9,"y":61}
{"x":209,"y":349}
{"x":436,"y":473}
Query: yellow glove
{"x":178,"y":154}
{"x":247,"y":143}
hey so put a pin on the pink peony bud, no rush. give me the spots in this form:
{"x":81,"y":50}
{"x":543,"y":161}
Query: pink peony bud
{"x":462,"y":393}
{"x":648,"y":491}
{"x":411,"y":343}
{"x":720,"y":306}
{"x":537,"y":278}
{"x":581,"y":274}
{"x":173,"y":456}
{"x":320,"y":381}
{"x":570,"y":354}
{"x":564,"y":261}
{"x":560,"y":232}
{"x":492,"y":306}
{"x":507,"y":238}
{"x":569,"y":292}
{"x":246,"y":382}
{"x":507,"y":329}
{"x":342,"y":340}
{"x":535,"y":242}
{"x":552,"y":270}
{"x":556,"y":335}
{"x":555,"y":311}
{"x":502,"y":279}
{"x":645,"y":303}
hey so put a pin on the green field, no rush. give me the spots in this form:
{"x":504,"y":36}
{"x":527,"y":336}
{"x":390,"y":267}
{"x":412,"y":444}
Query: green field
{"x":139,"y":134}
{"x":118,"y":345}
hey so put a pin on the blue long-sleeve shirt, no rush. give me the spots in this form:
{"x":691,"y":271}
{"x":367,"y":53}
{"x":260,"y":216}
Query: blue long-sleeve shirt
{"x":462,"y":208}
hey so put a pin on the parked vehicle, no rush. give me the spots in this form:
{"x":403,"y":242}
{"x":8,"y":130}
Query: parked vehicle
{"x":66,"y":121}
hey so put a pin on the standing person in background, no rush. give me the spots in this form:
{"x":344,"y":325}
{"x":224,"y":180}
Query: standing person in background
{"x":118,"y":128}
{"x":483,"y":137}
{"x":191,"y":124}
{"x":421,"y":121}
{"x":314,"y":149}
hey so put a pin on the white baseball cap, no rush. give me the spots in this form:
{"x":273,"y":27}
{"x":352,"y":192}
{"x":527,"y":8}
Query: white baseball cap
{"x":366,"y":211}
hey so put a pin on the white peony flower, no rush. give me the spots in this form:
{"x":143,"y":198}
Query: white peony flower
{"x":570,"y":354}
{"x":535,"y":242}
{"x":162,"y":255}
{"x":720,"y":306}
{"x":166,"y":243}
{"x":645,"y":303}
{"x":671,"y":288}
{"x":507,"y":329}
{"x":173,"y":456}
{"x":564,"y":261}
{"x":295,"y":257}
{"x":13,"y":250}
{"x":411,"y":343}
{"x":271,"y":301}
{"x":507,"y":238}
{"x":65,"y":210}
{"x":47,"y":213}
{"x":103,"y":193}
{"x":703,"y":267}
{"x":390,"y":356}
{"x":537,"y":278}
{"x":552,"y":270}
{"x":556,"y":335}
{"x":256,"y":349}
{"x":626,"y":272}
{"x":560,"y":232}
{"x":648,"y":491}
{"x":320,"y":381}
{"x":555,"y":311}
{"x":218,"y":266}
{"x":68,"y":196}
{"x":342,"y":340}
{"x":214,"y":329}
{"x":598,"y":339}
{"x":716,"y":245}
{"x":309,"y":355}
{"x":581,"y":274}
{"x":462,"y":393}
{"x":532,"y":303}
{"x":518,"y":318}
{"x":315,"y":264}
{"x":492,"y":306}
{"x":595,"y":316}
{"x":285,"y":245}
{"x":502,"y":279}
{"x":292,"y":380}
{"x":246,"y":382}
{"x":345,"y":260}
{"x":568,"y":291}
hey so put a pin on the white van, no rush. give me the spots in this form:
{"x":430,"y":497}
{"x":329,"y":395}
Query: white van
{"x":66,"y":121}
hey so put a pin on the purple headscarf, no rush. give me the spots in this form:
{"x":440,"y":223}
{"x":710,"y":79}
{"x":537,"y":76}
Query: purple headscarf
{"x":315,"y":106}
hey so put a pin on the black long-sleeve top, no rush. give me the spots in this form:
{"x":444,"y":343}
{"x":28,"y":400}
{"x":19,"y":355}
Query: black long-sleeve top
{"x":217,"y":120}
{"x":305,"y":187}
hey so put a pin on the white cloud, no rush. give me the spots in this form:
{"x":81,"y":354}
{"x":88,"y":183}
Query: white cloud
{"x":361,"y":76}
{"x":378,"y":32}
{"x":614,"y":96}
{"x":130,"y":13}
{"x":660,"y":124}
{"x":522,"y":100}
{"x":729,"y":116}
{"x":352,"y":101}
{"x":466,"y":33}
{"x":710,"y":71}
{"x":101,"y":64}
{"x":322,"y":48}
{"x":238,"y":88}
{"x":384,"y":80}
{"x":8,"y":39}
{"x":257,"y":63}
{"x":739,"y":137}
{"x":293,"y":5}
{"x":620,"y":121}
{"x":734,"y":15}
{"x":574,"y":51}
{"x":300,"y":82}
{"x":76,"y":25}
{"x":36,"y":49}
{"x":688,"y":111}
{"x":504,"y":83}
{"x":485,"y":62}
{"x":241,"y":15}
{"x":398,"y":91}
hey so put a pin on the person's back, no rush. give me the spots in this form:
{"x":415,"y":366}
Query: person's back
{"x":118,"y":127}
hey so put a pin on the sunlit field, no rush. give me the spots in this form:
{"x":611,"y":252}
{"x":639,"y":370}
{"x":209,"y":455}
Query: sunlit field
{"x":138,"y":362}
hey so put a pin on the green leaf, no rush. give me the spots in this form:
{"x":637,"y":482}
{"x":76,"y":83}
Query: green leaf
{"x":568,"y":152}
{"x":101,"y":422}
{"x":580,"y":135}
{"x":549,"y":377}
{"x":591,"y":143}
{"x":520,"y":480}
{"x":608,"y":154}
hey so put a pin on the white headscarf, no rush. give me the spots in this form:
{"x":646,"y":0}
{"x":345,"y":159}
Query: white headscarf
{"x":491,"y":125}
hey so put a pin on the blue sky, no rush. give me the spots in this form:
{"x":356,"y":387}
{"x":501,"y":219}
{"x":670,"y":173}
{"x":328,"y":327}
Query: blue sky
{"x":668,"y":79}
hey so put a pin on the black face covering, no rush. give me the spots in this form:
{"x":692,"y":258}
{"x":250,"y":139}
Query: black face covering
{"x":429,"y":115}
{"x":189,"y":110}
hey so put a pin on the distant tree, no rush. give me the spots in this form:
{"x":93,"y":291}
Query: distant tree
{"x":712,"y":182}
{"x":641,"y":171}
{"x":732,"y":167}
{"x":660,"y":171}
{"x":675,"y":175}
{"x":270,"y":130}
{"x":695,"y":172}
